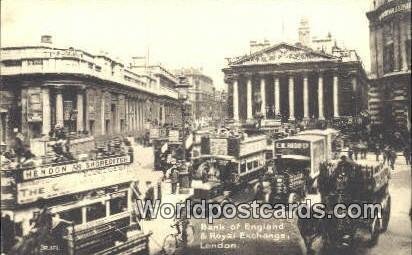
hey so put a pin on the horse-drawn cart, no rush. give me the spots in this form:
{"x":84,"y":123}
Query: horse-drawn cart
{"x":361,"y":191}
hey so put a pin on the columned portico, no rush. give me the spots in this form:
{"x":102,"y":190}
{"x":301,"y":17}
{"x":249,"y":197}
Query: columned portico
{"x":305,"y":97}
{"x":80,"y":111}
{"x":291,"y":98}
{"x":320,"y":97}
{"x":263,"y":96}
{"x":102,"y":113}
{"x":277,"y":96}
{"x":235,"y":100}
{"x":59,"y":107}
{"x":302,"y":84}
{"x":335,"y":96}
{"x":249,"y":98}
{"x":46,"y":125}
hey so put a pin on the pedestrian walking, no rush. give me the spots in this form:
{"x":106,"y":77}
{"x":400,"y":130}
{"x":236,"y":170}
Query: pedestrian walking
{"x":149,"y":198}
{"x":386,"y":155}
{"x":407,"y":154}
{"x":350,"y":151}
{"x":392,"y":158}
{"x":377,"y":151}
{"x":189,"y":167}
{"x":135,"y":197}
{"x":174,"y":179}
{"x":363,"y":149}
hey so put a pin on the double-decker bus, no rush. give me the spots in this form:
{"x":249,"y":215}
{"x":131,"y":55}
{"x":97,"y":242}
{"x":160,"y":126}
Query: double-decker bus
{"x":89,"y":201}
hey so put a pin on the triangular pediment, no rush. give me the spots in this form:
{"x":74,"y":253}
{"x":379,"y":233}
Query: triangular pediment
{"x":283,"y":53}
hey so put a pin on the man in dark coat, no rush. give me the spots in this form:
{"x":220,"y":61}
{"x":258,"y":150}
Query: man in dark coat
{"x":149,"y":196}
{"x":174,"y":179}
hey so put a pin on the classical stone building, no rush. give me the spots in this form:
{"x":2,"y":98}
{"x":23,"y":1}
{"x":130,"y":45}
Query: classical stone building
{"x":295,"y":82}
{"x":202,"y":95}
{"x":390,"y":45}
{"x":43,"y":86}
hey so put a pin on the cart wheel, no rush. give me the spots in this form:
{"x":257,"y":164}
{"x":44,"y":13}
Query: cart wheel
{"x":374,"y":232}
{"x":386,"y":215}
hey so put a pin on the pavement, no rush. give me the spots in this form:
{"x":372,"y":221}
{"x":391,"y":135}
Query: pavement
{"x":160,"y":227}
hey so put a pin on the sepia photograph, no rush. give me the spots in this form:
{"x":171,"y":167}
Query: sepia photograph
{"x":207,"y":127}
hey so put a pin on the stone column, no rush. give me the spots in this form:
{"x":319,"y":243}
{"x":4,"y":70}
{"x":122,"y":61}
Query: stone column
{"x":305,"y":97}
{"x":139,"y":119}
{"x":355,"y":95}
{"x":59,"y":107}
{"x":46,"y":111}
{"x":263,"y":96}
{"x":137,"y":116}
{"x":249,"y":98}
{"x":320,"y":97}
{"x":80,"y":111}
{"x":404,"y":30}
{"x":291,"y":98}
{"x":277,"y":96}
{"x":126,"y":102}
{"x":102,"y":112}
{"x":335,"y":96}
{"x":235,"y":100}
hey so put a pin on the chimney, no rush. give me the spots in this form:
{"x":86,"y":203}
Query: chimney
{"x":304,"y":32}
{"x":47,"y":39}
{"x":139,"y":61}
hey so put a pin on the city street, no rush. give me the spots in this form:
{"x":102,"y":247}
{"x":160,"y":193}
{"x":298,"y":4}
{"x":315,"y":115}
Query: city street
{"x":397,"y":236}
{"x":205,"y":127}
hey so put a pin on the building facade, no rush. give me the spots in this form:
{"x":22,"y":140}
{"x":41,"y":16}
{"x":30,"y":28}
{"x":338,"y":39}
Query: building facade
{"x":295,"y":82}
{"x":390,"y":45}
{"x":166,"y":80}
{"x":43,"y":87}
{"x":203,"y":96}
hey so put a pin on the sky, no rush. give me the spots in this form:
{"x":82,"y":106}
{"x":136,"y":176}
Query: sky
{"x":181,"y":33}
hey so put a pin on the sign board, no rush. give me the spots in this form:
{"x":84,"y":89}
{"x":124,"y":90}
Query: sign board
{"x":154,"y":133}
{"x":173,"y":135}
{"x":252,"y":147}
{"x":218,"y":146}
{"x":46,"y":188}
{"x":48,"y":171}
{"x":292,"y":148}
{"x":404,"y":7}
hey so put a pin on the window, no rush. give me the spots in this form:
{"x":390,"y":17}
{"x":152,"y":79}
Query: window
{"x":249,"y":165}
{"x":388,"y":58}
{"x":118,"y":204}
{"x":243,"y":168}
{"x":388,"y":48}
{"x":73,"y":215}
{"x":98,"y":68}
{"x":95,"y":211}
{"x":255,"y":163}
